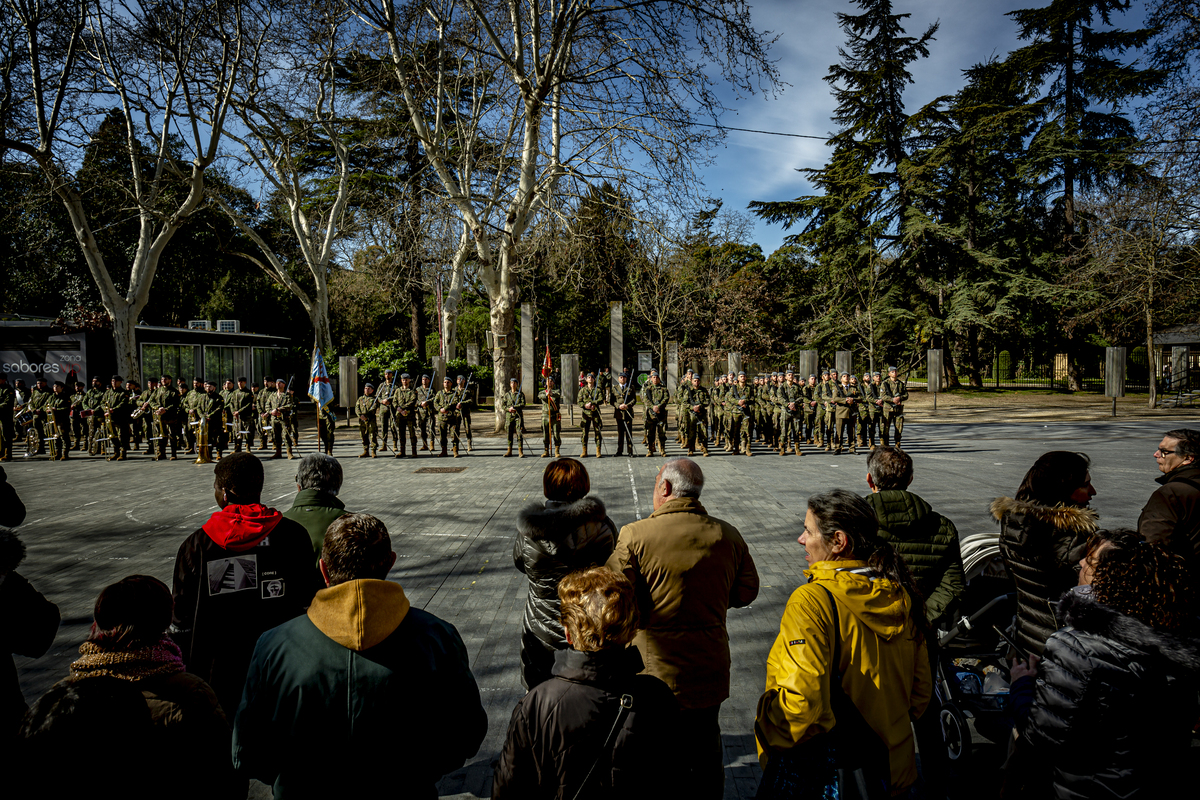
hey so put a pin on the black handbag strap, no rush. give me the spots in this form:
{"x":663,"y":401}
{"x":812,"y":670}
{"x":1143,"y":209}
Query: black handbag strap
{"x":837,"y":642}
{"x":626,"y":703}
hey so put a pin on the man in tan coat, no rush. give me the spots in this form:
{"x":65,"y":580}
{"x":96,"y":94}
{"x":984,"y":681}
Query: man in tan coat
{"x":688,"y":569}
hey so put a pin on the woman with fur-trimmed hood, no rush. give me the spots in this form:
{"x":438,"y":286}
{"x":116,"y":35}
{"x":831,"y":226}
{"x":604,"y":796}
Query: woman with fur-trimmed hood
{"x":570,"y":532}
{"x":1043,"y":535}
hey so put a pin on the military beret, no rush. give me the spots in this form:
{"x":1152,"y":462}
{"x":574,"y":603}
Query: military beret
{"x":653,"y":372}
{"x":426,"y":378}
{"x":368,"y":386}
{"x":60,"y":383}
{"x":447,"y":379}
{"x":790,"y":372}
{"x":875,"y":374}
{"x":812,"y":376}
{"x":404,"y":376}
{"x":255,"y":386}
{"x":389,"y":372}
{"x":114,"y":377}
{"x":741,"y":374}
{"x":281,"y":380}
{"x":845,"y":374}
{"x":210,"y":382}
{"x":42,"y":379}
{"x":242,"y":379}
{"x":892,"y":369}
{"x":514,"y":380}
{"x":690,"y":370}
{"x":462,"y":377}
{"x":590,"y":375}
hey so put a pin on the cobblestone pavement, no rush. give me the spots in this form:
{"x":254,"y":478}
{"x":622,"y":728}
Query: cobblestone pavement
{"x":91,"y":522}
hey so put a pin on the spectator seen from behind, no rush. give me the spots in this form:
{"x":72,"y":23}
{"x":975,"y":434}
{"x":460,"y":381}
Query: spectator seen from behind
{"x":569,"y":532}
{"x":927,"y":541}
{"x":364,"y":696}
{"x":597,"y":728}
{"x":246,"y":570}
{"x":318,"y":481}
{"x":30,"y":622}
{"x":129,"y":641}
{"x":688,"y":570}
{"x":1044,"y":532}
{"x":12,"y":510}
{"x":858,"y":604}
{"x":1114,"y":701}
{"x":1172,"y":515}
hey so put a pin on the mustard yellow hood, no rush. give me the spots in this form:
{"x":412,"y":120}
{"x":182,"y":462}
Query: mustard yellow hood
{"x":878,"y":603}
{"x":359,"y":614}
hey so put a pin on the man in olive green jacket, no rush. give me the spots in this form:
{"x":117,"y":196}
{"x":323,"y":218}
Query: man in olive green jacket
{"x":688,"y":569}
{"x":318,"y":480}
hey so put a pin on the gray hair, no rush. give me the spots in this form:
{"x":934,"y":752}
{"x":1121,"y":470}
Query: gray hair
{"x":320,"y":472}
{"x":685,"y":477}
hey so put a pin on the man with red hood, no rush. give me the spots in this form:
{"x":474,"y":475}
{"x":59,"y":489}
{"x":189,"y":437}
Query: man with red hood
{"x":243,"y":572}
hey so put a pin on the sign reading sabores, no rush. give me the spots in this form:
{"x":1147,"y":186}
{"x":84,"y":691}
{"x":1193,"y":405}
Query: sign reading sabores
{"x":61,"y":358}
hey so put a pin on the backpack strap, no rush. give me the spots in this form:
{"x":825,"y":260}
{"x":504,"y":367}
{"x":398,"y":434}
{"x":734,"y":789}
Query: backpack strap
{"x":626,"y":703}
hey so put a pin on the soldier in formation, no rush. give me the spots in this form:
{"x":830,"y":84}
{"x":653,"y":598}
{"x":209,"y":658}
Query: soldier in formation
{"x":513,"y":403}
{"x":445,"y":404}
{"x":404,"y":409}
{"x":78,"y":421}
{"x":655,"y":398}
{"x":425,"y":414}
{"x":367,"y":409}
{"x":57,"y":408}
{"x":604,"y":383}
{"x":551,"y":402}
{"x":893,"y":393}
{"x":739,"y":404}
{"x":281,"y":407}
{"x":695,"y":415}
{"x":387,"y":411}
{"x":166,"y":406}
{"x":466,"y":402}
{"x":623,"y":400}
{"x":590,"y":401}
{"x":117,"y":408}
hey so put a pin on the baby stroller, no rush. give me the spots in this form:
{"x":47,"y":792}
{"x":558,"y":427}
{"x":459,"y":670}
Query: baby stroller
{"x":971,"y":675}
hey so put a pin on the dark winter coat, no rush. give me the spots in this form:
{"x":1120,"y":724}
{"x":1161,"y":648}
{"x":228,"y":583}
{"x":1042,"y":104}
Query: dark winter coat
{"x":244,"y":572}
{"x":559,"y":728}
{"x":12,"y":510}
{"x":362,"y":697}
{"x":553,"y":540}
{"x":29,"y":624}
{"x":1041,"y":546}
{"x":928,"y":543}
{"x":315,"y":510}
{"x":1113,"y":707}
{"x":1171,"y":516}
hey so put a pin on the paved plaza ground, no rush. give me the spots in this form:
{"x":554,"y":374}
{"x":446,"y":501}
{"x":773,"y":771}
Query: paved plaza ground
{"x":90,"y":523}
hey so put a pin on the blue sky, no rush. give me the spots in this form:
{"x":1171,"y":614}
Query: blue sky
{"x":753,"y":166}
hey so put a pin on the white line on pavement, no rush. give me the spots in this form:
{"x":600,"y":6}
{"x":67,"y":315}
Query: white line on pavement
{"x":637,"y":510}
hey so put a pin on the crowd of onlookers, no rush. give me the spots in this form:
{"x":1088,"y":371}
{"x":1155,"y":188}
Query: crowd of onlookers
{"x":282,"y":652}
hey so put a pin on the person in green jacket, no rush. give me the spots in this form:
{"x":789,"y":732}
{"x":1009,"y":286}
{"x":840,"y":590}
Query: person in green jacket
{"x":318,"y":480}
{"x":590,"y":400}
{"x":513,"y":403}
{"x":928,"y":543}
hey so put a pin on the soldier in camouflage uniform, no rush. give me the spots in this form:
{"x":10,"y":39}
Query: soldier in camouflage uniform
{"x":678,"y":399}
{"x":367,"y":408}
{"x":695,"y":416}
{"x":590,"y":400}
{"x":656,"y":398}
{"x":58,"y":421}
{"x":624,"y":398}
{"x":425,"y":414}
{"x":866,"y":431}
{"x":791,"y":414}
{"x":445,"y":404}
{"x":327,"y":425}
{"x":194,"y":395}
{"x":38,"y":396}
{"x":464,"y":406}
{"x":387,"y":412}
{"x":894,"y":393}
{"x":166,"y":406}
{"x":280,"y":408}
{"x":825,"y":418}
{"x":117,"y":407}
{"x":715,"y":414}
{"x":210,"y":411}
{"x":513,"y":403}
{"x":809,"y":391}
{"x":262,"y":407}
{"x":741,"y":408}
{"x":404,"y":406}
{"x":78,"y":421}
{"x":93,"y":407}
{"x":240,"y":402}
{"x":551,"y":402}
{"x":845,"y":399}
{"x":604,"y":383}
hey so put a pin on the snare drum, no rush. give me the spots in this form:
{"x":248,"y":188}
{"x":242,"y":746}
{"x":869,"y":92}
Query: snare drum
{"x":25,"y":418}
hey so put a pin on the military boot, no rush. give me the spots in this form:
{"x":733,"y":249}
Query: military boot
{"x":799,"y":452}
{"x":424,"y":445}
{"x":749,"y":452}
{"x":456,"y":449}
{"x":598,"y":447}
{"x":470,"y":445}
{"x":691,"y":453}
{"x":704,"y":449}
{"x":546,"y":453}
{"x":443,"y":453}
{"x":557,"y":454}
{"x":277,"y":454}
{"x":375,"y":453}
{"x":363,"y":454}
{"x":508,"y":452}
{"x":290,"y":454}
{"x":584,"y":453}
{"x":521,"y":448}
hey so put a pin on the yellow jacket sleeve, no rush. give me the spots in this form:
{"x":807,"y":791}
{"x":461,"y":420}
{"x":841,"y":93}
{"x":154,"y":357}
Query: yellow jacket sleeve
{"x":795,"y":706}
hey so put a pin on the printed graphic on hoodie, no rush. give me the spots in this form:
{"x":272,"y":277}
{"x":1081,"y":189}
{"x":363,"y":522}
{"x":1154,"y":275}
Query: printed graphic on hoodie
{"x":226,"y":575}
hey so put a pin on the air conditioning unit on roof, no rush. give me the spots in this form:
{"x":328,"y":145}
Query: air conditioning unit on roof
{"x":229,"y":325}
{"x":199,"y":325}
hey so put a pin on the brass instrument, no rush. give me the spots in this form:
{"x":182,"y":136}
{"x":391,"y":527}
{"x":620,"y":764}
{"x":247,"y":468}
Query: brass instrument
{"x":111,"y":428}
{"x":160,"y":428}
{"x":202,"y":456}
{"x":53,"y":433}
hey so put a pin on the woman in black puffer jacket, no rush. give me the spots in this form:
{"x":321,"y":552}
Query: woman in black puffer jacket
{"x":1043,"y":534}
{"x":571,"y":531}
{"x":1115,"y":697}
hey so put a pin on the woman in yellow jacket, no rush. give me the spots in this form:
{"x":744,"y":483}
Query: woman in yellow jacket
{"x":883,"y":662}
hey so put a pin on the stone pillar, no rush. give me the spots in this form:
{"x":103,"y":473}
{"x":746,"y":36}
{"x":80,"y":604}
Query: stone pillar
{"x":735,"y":363}
{"x":473,"y":355}
{"x":844,"y":360}
{"x":616,"y":339}
{"x":529,"y":376}
{"x":439,"y":372}
{"x":347,"y":384}
{"x":672,"y":381}
{"x":1179,"y":367}
{"x":807,"y":365}
{"x":570,"y":377}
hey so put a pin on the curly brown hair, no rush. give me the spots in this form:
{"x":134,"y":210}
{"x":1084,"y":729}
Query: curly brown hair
{"x":1147,"y":583}
{"x":598,"y":608}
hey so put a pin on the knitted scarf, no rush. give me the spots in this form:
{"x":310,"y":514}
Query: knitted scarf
{"x":161,"y":658}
